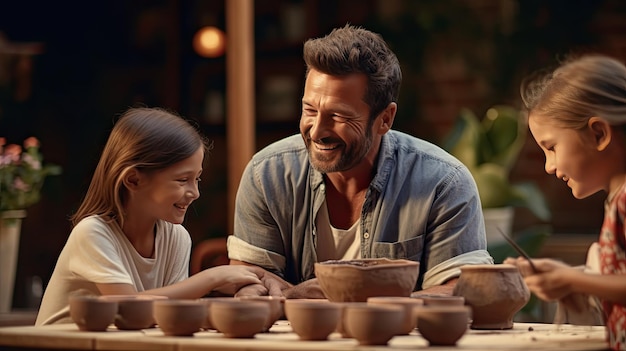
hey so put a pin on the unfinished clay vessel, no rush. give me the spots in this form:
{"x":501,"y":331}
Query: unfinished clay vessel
{"x":312,"y":320}
{"x":356,"y":280}
{"x":442,"y":325}
{"x":495,"y":293}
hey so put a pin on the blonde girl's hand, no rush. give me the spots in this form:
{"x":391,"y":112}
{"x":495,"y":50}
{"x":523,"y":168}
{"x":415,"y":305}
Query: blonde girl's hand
{"x":228,"y":279}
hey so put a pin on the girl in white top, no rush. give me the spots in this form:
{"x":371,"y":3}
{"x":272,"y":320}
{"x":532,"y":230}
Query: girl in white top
{"x":127,"y":236}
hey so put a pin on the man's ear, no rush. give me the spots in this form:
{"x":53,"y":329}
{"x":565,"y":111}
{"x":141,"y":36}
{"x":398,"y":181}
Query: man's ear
{"x":601,"y":131}
{"x":387,"y":117}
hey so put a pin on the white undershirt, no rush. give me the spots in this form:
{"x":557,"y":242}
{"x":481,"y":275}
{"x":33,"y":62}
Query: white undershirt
{"x":336,"y":244}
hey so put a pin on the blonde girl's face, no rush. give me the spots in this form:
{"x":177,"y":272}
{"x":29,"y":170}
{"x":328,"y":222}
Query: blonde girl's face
{"x":167,"y":194}
{"x":572,"y":156}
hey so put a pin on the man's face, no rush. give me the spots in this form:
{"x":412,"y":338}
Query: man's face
{"x":335,"y":122}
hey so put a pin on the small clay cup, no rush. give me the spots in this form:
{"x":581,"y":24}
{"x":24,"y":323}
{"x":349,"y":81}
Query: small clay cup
{"x":239,"y":318}
{"x":91,"y":313}
{"x":407,"y":303}
{"x":372,"y":324}
{"x":207,"y":301}
{"x":179,"y":317}
{"x":277,"y":309}
{"x":442,"y":325}
{"x":134,"y":312}
{"x":312,"y":320}
{"x":442,"y":300}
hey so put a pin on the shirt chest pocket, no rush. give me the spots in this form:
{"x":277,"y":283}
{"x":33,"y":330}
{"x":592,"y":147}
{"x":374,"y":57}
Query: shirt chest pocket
{"x":408,"y":249}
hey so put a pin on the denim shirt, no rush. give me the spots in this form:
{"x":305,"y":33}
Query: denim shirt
{"x":421,"y":205}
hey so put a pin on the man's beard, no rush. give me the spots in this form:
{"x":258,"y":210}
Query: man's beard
{"x":354,"y":153}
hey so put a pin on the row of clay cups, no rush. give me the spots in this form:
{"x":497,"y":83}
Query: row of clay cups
{"x":234,"y":317}
{"x":443,"y":319}
{"x":126,"y":312}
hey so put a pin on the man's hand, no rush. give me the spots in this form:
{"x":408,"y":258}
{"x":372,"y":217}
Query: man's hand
{"x":309,"y":289}
{"x":444,"y":289}
{"x":271,"y":284}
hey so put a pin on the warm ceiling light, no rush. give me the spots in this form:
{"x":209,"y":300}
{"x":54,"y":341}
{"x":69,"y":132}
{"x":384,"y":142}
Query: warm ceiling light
{"x":209,"y":42}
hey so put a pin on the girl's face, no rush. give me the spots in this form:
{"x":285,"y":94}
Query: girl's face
{"x":573,"y":156}
{"x":166,"y":194}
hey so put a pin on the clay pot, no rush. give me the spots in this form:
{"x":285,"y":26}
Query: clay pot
{"x":356,"y":280}
{"x":207,"y":301}
{"x":495,"y":293}
{"x":312,"y":320}
{"x":179,"y":317}
{"x":372,"y":324}
{"x":239,"y":318}
{"x":442,"y":325}
{"x":442,"y":300}
{"x":134,"y":312}
{"x":407,"y":303}
{"x":91,"y":313}
{"x":276,"y":304}
{"x":341,"y":325}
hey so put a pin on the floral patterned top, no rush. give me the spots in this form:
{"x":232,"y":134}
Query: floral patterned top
{"x":613,"y":261}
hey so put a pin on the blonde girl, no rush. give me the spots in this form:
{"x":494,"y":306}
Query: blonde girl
{"x":127,"y":236}
{"x":577,"y":115}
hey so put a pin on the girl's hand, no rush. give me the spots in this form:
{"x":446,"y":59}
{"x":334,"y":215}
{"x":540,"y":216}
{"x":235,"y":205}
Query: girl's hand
{"x":553,"y":284}
{"x":229,"y":278}
{"x":552,"y":281}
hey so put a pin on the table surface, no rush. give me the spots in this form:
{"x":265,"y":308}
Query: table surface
{"x":523,"y":336}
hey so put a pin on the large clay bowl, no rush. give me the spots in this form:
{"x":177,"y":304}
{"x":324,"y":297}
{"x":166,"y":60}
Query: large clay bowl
{"x":356,"y":280}
{"x":442,"y":325}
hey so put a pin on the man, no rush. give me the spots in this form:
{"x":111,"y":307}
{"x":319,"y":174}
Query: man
{"x":354,"y":188}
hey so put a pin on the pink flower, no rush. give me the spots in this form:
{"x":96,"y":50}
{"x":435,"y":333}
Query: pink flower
{"x":13,"y":152}
{"x":19,"y":184}
{"x":31,"y":142}
{"x":32,"y":162}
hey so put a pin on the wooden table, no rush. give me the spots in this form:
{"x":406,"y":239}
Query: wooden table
{"x":524,"y":336}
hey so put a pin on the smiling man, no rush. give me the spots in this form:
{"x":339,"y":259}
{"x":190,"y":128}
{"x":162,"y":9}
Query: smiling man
{"x":349,"y":186}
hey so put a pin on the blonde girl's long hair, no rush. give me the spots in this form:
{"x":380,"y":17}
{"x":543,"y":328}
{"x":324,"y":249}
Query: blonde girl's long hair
{"x":147,"y":139}
{"x":581,"y":88}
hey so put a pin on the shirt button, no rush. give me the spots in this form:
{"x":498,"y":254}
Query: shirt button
{"x":366,"y":236}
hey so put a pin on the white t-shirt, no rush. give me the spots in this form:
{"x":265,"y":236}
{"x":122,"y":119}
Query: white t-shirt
{"x":99,"y":252}
{"x":336,"y":244}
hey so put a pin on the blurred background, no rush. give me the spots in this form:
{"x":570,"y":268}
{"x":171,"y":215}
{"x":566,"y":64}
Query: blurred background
{"x":68,"y":68}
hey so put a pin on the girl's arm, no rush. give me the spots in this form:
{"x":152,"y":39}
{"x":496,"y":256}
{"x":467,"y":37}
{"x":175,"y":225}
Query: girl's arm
{"x":225,"y":279}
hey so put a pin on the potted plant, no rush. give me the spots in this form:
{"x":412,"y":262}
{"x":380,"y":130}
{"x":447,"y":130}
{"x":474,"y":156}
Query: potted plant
{"x":489,"y":148}
{"x":22,"y":175}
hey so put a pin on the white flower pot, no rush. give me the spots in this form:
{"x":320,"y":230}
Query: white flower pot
{"x":10,"y":226}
